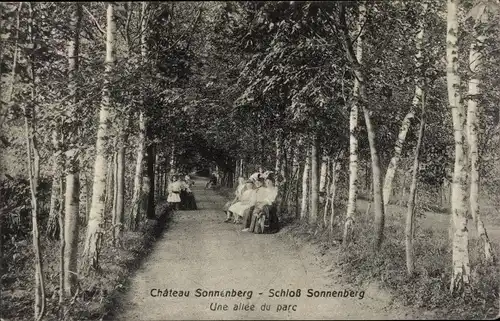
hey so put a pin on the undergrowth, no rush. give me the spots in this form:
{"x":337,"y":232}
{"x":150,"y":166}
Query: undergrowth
{"x":98,"y":293}
{"x":428,"y":288}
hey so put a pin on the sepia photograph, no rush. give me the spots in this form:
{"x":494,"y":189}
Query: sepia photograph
{"x":250,"y":160}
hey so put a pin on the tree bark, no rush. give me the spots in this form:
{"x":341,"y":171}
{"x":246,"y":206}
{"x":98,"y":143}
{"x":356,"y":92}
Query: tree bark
{"x":353,"y":128}
{"x":72,"y":202}
{"x":417,"y":97}
{"x":335,"y":169}
{"x":150,"y":213}
{"x":323,"y":173}
{"x":461,"y":266}
{"x":305,"y":186}
{"x":313,"y":215}
{"x":378,"y":205}
{"x":34,"y":173}
{"x":120,"y":188}
{"x":326,"y":170}
{"x":55,"y":201}
{"x":356,"y":60}
{"x":279,"y":156}
{"x":115,"y":189}
{"x":410,"y":214}
{"x":96,"y":216}
{"x":472,"y":138}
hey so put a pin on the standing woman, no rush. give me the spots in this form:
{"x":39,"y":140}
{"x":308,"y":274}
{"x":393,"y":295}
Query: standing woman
{"x":174,"y":192}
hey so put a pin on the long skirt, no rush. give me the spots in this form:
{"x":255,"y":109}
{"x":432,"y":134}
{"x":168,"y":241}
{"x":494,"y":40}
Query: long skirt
{"x":238,"y":208}
{"x":264,"y":219}
{"x":188,"y":202}
{"x":173,"y":197}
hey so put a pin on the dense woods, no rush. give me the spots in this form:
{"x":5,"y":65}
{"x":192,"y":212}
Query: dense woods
{"x":380,"y":118}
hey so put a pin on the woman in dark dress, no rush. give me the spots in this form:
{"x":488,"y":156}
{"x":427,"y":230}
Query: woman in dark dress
{"x":188,"y":202}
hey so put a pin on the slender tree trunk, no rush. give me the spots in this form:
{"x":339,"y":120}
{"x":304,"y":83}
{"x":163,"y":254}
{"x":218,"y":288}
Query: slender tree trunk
{"x":313,"y":215}
{"x":62,"y":250}
{"x":138,"y":183}
{"x":410,"y":214}
{"x":55,"y":202}
{"x":34,"y":170}
{"x":323,"y":173}
{"x":391,"y":170}
{"x":461,"y":266}
{"x":326,"y":186}
{"x":151,"y":174}
{"x":353,"y":138}
{"x":378,"y":205}
{"x":72,"y":202}
{"x":305,"y":187}
{"x":115,"y":189}
{"x":472,"y":137}
{"x":333,"y":192}
{"x":279,"y":152}
{"x":34,"y":174}
{"x":356,"y":60}
{"x":120,"y":187}
{"x":172,"y":160}
{"x":96,"y":216}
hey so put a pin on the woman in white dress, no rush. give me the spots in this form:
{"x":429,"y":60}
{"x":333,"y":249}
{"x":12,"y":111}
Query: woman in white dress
{"x":237,"y":194}
{"x":174,"y":192}
{"x":246,"y":200}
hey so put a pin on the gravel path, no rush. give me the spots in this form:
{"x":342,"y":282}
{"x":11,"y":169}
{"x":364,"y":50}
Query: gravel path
{"x":199,"y":251}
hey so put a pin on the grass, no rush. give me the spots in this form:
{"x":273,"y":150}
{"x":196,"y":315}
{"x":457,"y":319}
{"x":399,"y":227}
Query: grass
{"x":99,"y":293}
{"x":428,"y":289}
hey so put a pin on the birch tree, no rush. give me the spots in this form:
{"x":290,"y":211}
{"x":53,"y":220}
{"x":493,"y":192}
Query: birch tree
{"x":410,"y":214}
{"x":96,"y":216}
{"x":393,"y":165}
{"x":138,"y":182}
{"x":461,"y":266}
{"x":72,"y":201}
{"x":33,"y":158}
{"x":360,"y":76}
{"x":313,"y":215}
{"x":305,"y":186}
{"x":353,"y":139}
{"x":472,"y":127}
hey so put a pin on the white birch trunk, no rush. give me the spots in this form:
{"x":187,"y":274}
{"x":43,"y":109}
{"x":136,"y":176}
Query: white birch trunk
{"x":461,"y":266}
{"x":279,"y":147}
{"x":326,"y":186}
{"x":323,"y":173}
{"x":472,"y":137}
{"x":96,"y":216}
{"x":410,"y":214}
{"x":353,"y":139}
{"x":72,"y":201}
{"x":138,"y":182}
{"x":313,"y":215}
{"x":55,"y":202}
{"x":417,"y":97}
{"x":305,"y":187}
{"x":378,"y":204}
{"x":34,"y":173}
{"x":333,"y":192}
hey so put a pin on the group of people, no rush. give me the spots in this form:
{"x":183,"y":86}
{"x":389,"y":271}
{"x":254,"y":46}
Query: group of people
{"x":180,"y":195}
{"x":254,"y":204}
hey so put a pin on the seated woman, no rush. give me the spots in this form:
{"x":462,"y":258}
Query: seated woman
{"x":237,"y":195}
{"x":174,"y":191}
{"x":245,"y":202}
{"x":264,"y":217}
{"x":211,"y":182}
